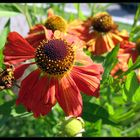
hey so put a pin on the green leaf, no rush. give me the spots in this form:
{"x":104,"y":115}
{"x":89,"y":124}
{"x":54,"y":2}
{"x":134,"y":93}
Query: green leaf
{"x":131,"y":84}
{"x":125,"y":116}
{"x":133,"y":67}
{"x":136,"y":18}
{"x":136,"y":96}
{"x":6,"y":107}
{"x":110,"y":61}
{"x":9,"y":10}
{"x":98,"y":127}
{"x":115,"y":132}
{"x":20,"y":111}
{"x":135,"y":33}
{"x":93,"y":112}
{"x":3,"y":37}
{"x":110,"y":108}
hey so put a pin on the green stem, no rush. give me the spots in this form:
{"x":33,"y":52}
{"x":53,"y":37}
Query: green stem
{"x":10,"y":92}
{"x":93,"y":7}
{"x":28,"y":18}
{"x":78,"y":10}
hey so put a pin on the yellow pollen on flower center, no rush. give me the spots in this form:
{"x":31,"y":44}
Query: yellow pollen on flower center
{"x":103,"y":22}
{"x":56,"y":23}
{"x":55,"y":57}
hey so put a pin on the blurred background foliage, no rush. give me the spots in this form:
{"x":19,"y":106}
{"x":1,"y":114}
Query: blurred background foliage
{"x":114,"y":114}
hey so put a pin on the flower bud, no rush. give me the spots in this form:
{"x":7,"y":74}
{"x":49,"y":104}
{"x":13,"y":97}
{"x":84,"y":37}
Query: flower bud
{"x":73,"y":126}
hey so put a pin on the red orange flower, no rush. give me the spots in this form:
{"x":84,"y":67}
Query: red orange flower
{"x":100,"y":32}
{"x":127,"y":50}
{"x":55,"y":77}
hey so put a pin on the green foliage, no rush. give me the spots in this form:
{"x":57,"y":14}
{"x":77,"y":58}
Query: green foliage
{"x":135,"y":32}
{"x":110,"y":61}
{"x":8,"y":10}
{"x":131,"y":84}
{"x":3,"y":37}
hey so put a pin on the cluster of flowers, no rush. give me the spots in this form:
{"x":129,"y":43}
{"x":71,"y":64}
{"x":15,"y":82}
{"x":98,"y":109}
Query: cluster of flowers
{"x":59,"y":69}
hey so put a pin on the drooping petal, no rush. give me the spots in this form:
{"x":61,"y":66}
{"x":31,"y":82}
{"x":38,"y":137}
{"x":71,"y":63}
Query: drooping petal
{"x":88,"y":78}
{"x":116,"y":39}
{"x":19,"y":70}
{"x":32,"y":78}
{"x":33,"y":94}
{"x":110,"y":41}
{"x":43,"y":97}
{"x":17,"y":49}
{"x":69,"y":97}
{"x":101,"y":45}
{"x":123,"y":34}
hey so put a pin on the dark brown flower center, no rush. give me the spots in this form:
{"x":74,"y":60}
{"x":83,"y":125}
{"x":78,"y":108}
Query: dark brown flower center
{"x":55,"y":57}
{"x":103,"y":23}
{"x":56,"y":23}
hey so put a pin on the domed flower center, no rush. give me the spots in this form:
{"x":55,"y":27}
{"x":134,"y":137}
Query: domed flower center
{"x":103,"y":22}
{"x":55,"y":57}
{"x":56,"y":23}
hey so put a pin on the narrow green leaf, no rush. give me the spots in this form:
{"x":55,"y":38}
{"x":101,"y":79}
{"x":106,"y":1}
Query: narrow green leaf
{"x":136,"y":96}
{"x":110,"y":61}
{"x":110,"y":108}
{"x":134,"y":26}
{"x":19,"y":111}
{"x":8,"y":10}
{"x":9,"y":7}
{"x":133,"y":67}
{"x":3,"y":37}
{"x":137,"y":15}
{"x":131,"y":83}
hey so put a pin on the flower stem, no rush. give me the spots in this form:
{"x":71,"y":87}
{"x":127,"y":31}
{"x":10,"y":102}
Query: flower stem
{"x":28,"y":18}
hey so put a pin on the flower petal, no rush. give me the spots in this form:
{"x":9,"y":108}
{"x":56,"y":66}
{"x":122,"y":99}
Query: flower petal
{"x":88,"y":78}
{"x":37,"y":34}
{"x":18,"y":72}
{"x":32,"y":92}
{"x":17,"y":49}
{"x":82,"y":58}
{"x":32,"y":78}
{"x":69,"y":97}
{"x":101,"y":45}
{"x":110,"y":41}
{"x":50,"y":12}
{"x":43,"y":97}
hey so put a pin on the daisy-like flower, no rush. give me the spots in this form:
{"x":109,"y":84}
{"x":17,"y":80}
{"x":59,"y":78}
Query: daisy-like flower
{"x":62,"y":71}
{"x":127,"y":50}
{"x":100,"y":32}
